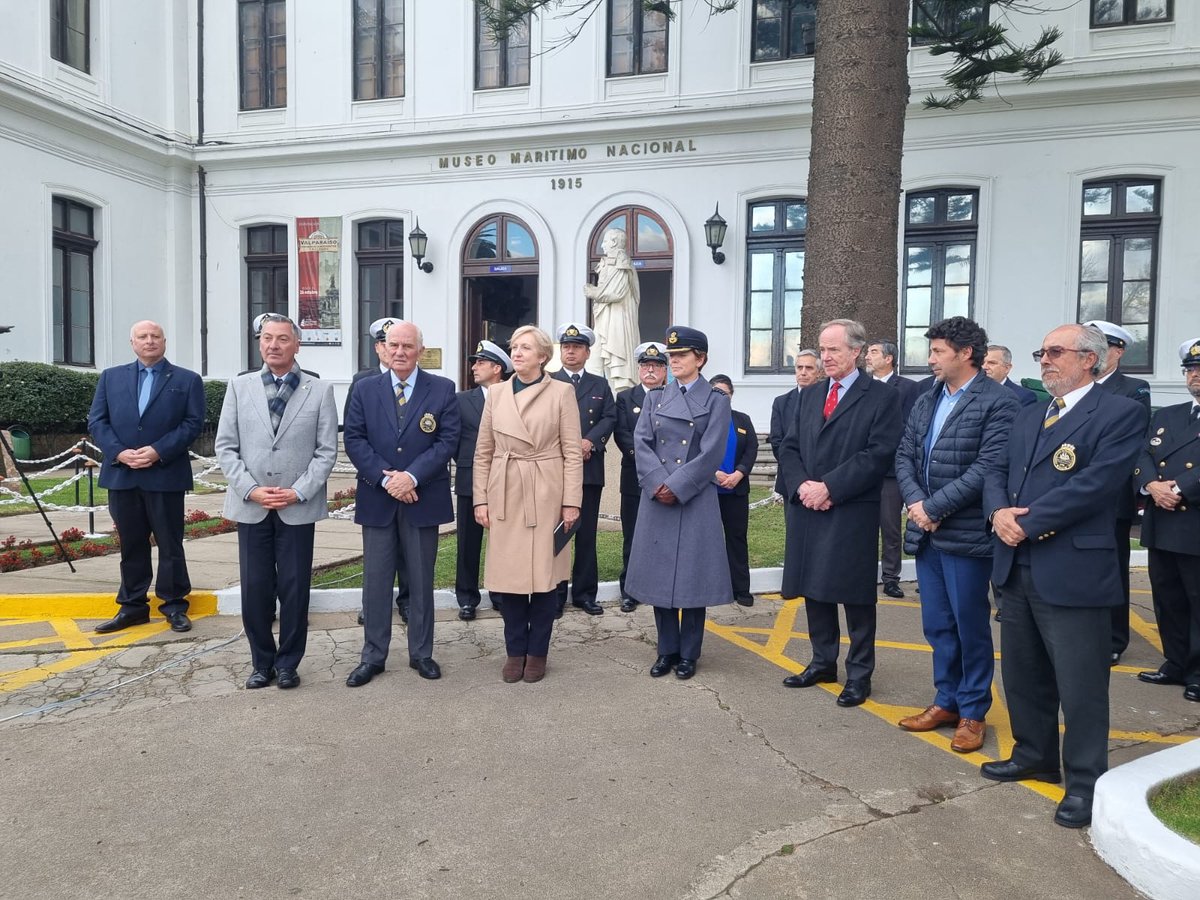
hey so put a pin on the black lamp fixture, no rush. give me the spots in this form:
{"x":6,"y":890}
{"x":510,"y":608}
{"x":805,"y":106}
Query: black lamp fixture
{"x":417,"y":242}
{"x":714,"y":234}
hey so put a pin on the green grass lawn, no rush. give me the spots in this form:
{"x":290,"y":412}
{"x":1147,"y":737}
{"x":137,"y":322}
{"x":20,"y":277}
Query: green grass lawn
{"x":65,"y":497}
{"x":1177,"y":804}
{"x":765,"y":539}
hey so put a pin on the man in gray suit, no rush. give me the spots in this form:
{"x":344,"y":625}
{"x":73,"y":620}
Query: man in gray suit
{"x":276,"y":443}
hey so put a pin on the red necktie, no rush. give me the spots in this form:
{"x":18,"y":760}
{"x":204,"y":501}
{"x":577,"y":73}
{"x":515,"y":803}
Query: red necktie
{"x":831,"y":399}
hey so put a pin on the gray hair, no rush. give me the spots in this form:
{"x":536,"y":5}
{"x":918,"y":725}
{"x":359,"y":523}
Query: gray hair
{"x":1092,"y":340}
{"x":279,"y":317}
{"x":856,"y":334}
{"x":412,"y":325}
{"x":807,"y":351}
{"x":888,"y":348}
{"x":1005,"y":353}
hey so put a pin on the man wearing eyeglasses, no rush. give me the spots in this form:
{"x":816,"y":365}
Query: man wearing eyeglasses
{"x":1168,"y":474}
{"x":1052,"y":503}
{"x":1113,"y":380}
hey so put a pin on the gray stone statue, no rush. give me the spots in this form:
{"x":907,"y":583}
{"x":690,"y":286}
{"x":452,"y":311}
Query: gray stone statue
{"x":615,"y":298}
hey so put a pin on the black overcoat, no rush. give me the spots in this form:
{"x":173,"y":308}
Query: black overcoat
{"x":833,"y":556}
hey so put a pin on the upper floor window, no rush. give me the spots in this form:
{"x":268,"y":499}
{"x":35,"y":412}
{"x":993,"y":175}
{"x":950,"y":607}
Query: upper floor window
{"x":262,"y":38}
{"x":637,"y":39}
{"x":501,"y":60}
{"x":74,"y":298}
{"x":266,"y":279}
{"x":940,"y":228}
{"x":70,"y":33}
{"x":775,"y":283}
{"x":378,"y":49}
{"x":946,"y":19}
{"x":783,"y":29}
{"x":1118,"y":260}
{"x":1106,"y":13}
{"x":380,"y":259}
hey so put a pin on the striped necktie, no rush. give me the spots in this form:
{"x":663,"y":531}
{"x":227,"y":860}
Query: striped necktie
{"x":400,"y":398}
{"x":1053,"y":410}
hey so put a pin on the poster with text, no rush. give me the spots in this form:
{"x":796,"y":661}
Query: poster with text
{"x":319,"y":259}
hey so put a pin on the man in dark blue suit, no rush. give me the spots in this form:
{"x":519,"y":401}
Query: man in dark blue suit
{"x":597,"y":418}
{"x":1052,"y":503}
{"x":880,"y":362}
{"x":401,"y":431}
{"x":144,"y":417}
{"x":997,"y":364}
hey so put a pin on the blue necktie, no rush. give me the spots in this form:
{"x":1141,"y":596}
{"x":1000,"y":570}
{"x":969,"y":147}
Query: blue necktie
{"x":144,"y":391}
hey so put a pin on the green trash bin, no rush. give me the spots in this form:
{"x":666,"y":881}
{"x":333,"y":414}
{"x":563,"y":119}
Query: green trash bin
{"x":22,"y":447}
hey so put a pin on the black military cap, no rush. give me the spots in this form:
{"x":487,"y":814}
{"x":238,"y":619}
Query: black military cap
{"x":680,"y":338}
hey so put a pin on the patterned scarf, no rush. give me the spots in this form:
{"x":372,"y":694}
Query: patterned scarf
{"x":277,"y":397}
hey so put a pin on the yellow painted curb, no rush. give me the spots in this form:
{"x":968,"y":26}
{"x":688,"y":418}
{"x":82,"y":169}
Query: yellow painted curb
{"x":86,"y":606}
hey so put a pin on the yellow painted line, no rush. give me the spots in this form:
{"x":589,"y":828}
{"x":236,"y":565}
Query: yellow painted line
{"x":86,"y":606}
{"x":785,"y":623}
{"x":72,"y":637}
{"x":1150,"y":737}
{"x":1145,"y":630}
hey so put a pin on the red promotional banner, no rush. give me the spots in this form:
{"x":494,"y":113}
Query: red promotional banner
{"x":319,"y":254}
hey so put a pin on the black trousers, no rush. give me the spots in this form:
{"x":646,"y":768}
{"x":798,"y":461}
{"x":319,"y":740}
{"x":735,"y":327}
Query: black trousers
{"x":1056,"y":656}
{"x":629,"y":511}
{"x":825,"y":635}
{"x":889,"y":529}
{"x":1175,"y":583}
{"x":528,"y":621}
{"x":1120,"y":614}
{"x":275,"y":560}
{"x":470,"y":549}
{"x":680,"y":631}
{"x":585,"y":575}
{"x":137,"y":515}
{"x":735,"y":519}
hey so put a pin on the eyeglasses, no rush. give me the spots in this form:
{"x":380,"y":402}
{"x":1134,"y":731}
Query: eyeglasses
{"x":1055,"y":352}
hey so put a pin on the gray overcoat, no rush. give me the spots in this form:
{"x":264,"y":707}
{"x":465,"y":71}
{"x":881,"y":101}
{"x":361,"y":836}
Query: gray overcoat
{"x":678,"y":558}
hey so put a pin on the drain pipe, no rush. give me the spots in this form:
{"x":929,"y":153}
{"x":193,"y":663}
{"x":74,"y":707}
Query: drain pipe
{"x":202,"y":184}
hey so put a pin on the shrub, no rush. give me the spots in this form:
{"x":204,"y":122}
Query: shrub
{"x":44,"y":399}
{"x":214,"y":397}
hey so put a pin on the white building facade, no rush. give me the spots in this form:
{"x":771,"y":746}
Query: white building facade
{"x":200,"y":161}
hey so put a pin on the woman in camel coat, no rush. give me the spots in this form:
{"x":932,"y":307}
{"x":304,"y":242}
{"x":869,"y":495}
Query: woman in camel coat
{"x":528,"y":475}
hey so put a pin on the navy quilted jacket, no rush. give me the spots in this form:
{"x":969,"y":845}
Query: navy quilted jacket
{"x":973,"y":440}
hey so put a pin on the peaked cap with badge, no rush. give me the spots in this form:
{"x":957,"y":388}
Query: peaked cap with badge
{"x":574,"y":333}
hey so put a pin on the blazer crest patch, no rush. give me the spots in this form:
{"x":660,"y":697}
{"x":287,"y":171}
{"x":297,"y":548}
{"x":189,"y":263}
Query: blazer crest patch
{"x":1064,"y":458}
{"x":428,"y":423}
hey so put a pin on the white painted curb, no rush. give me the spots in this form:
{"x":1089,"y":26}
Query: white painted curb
{"x":1131,"y":839}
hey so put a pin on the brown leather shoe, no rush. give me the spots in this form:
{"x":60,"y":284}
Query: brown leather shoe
{"x":933,"y":716}
{"x":535,"y":668}
{"x":968,"y":736}
{"x":514,"y":668}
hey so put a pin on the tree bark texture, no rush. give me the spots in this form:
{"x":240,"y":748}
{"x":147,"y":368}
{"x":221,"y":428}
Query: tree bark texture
{"x":860,"y":96}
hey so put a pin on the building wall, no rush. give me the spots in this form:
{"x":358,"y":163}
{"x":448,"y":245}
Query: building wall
{"x":1126,"y":101}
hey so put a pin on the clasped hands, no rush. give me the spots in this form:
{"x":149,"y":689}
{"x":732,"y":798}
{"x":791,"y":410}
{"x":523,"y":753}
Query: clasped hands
{"x":917,"y":515}
{"x":273,"y":497}
{"x":1163,"y":494}
{"x":1004,"y":524}
{"x":814,"y":495}
{"x":665,"y":495}
{"x":141,"y":458}
{"x":400,"y":486}
{"x":729,"y":480}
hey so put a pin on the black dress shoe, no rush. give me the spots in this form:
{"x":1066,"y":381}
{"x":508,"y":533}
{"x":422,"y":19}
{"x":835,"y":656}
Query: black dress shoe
{"x":403,"y":610}
{"x":591,"y":607}
{"x":179,"y":622}
{"x":360,"y":617}
{"x":1192,"y":692}
{"x":1007,"y":770}
{"x":629,"y":604}
{"x":1073,"y":812}
{"x":1159,"y":677}
{"x":809,"y":677}
{"x":1114,"y":659}
{"x":426,"y":668}
{"x":122,"y":620}
{"x":892,"y":589}
{"x":686,"y":669}
{"x":663,"y":665}
{"x":288,"y":678}
{"x":260,"y":678}
{"x":997,"y":616}
{"x":466,"y":613}
{"x":364,"y":673}
{"x":744,"y":599}
{"x":855,"y":693}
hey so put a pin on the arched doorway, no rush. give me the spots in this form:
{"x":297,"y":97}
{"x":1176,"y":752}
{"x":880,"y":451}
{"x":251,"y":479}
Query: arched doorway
{"x":500,"y":281}
{"x":652,"y":251}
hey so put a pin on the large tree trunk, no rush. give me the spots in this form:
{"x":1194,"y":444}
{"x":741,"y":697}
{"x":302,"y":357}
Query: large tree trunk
{"x":860,"y":95}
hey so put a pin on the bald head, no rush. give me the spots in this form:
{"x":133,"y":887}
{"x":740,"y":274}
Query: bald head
{"x":148,"y":342}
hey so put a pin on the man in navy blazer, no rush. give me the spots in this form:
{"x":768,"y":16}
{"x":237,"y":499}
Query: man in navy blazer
{"x":401,"y":431}
{"x":997,"y":364}
{"x":144,"y":417}
{"x":1052,"y":503}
